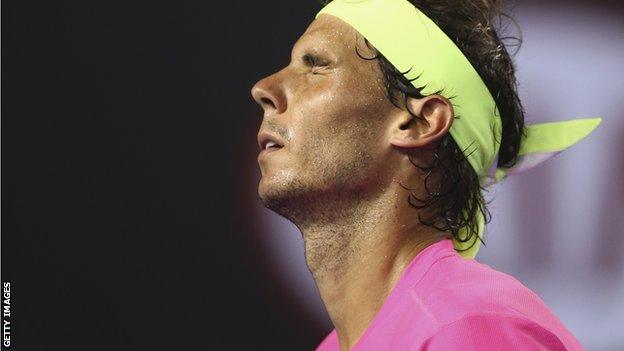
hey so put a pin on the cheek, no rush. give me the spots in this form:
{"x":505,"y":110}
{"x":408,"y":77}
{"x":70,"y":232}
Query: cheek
{"x":336,"y":145}
{"x":338,"y":117}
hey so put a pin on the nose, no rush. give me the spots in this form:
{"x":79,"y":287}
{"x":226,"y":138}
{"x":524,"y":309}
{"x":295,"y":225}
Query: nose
{"x":269,"y":94}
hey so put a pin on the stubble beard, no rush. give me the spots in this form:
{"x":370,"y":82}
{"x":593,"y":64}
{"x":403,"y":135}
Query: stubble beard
{"x":321,"y":193}
{"x":324,"y":202}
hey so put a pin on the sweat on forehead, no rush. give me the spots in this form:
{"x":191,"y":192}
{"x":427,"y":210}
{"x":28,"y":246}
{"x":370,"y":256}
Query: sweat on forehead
{"x":330,"y":30}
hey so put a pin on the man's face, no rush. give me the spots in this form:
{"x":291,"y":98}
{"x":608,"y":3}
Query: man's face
{"x":328,"y":108}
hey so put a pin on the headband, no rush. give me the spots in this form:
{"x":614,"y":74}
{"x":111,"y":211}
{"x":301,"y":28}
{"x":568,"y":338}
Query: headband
{"x":414,"y":44}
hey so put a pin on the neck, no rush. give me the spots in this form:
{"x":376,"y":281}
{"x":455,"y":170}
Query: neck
{"x":358,"y":254}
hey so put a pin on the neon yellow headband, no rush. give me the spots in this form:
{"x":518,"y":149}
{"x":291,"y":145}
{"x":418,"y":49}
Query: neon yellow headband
{"x":413,"y":43}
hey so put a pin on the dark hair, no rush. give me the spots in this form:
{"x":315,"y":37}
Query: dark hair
{"x":454,"y":194}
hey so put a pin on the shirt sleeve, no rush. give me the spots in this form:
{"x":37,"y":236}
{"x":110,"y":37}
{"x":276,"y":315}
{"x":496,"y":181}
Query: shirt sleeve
{"x":493,"y":332}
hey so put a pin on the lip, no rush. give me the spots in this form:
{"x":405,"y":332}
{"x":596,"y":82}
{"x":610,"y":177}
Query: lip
{"x":264,"y":137}
{"x":265,"y":152}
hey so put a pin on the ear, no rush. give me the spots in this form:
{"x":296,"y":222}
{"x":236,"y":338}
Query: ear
{"x":435,"y":114}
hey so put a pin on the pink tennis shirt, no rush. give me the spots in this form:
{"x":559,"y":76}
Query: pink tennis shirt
{"x":445,"y":302}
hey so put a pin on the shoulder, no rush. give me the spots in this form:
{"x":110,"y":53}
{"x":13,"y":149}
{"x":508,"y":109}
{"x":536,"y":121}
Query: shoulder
{"x":494,"y":331}
{"x":475,"y":287}
{"x":472,"y":303}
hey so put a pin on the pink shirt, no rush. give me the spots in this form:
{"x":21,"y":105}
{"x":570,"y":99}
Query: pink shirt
{"x":445,"y":302}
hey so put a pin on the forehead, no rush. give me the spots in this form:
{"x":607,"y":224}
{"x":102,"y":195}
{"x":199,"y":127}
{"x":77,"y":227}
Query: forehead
{"x":328,"y":31}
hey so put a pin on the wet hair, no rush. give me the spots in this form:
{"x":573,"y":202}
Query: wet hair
{"x":454,"y":195}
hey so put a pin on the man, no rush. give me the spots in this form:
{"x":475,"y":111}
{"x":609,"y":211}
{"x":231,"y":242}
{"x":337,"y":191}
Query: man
{"x":386,"y":191}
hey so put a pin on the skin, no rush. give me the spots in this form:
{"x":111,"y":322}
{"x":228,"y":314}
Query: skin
{"x":340,"y":175}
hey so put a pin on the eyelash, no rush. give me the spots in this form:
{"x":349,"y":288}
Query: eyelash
{"x":313,"y":61}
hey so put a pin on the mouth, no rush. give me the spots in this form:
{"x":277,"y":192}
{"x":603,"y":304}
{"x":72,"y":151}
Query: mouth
{"x":270,"y":148}
{"x":268,"y":143}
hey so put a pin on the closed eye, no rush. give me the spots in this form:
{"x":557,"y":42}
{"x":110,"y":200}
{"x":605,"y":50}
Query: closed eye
{"x":313,"y":61}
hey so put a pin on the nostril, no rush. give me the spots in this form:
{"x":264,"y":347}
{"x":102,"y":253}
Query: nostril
{"x":268,"y":102}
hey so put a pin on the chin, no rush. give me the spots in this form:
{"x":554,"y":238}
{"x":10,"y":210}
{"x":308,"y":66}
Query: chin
{"x":281,"y":189}
{"x":263,"y":190}
{"x":272,"y":187}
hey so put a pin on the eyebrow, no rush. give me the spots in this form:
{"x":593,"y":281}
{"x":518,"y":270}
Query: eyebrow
{"x":317,"y":49}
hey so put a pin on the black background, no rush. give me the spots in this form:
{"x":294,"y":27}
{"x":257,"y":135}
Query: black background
{"x":128,"y":138}
{"x":128,"y":160}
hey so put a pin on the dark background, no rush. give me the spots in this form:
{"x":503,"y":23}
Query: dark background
{"x":128,"y":165}
{"x":123,"y":222}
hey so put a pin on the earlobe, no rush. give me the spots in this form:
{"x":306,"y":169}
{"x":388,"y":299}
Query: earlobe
{"x":434,"y":119}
